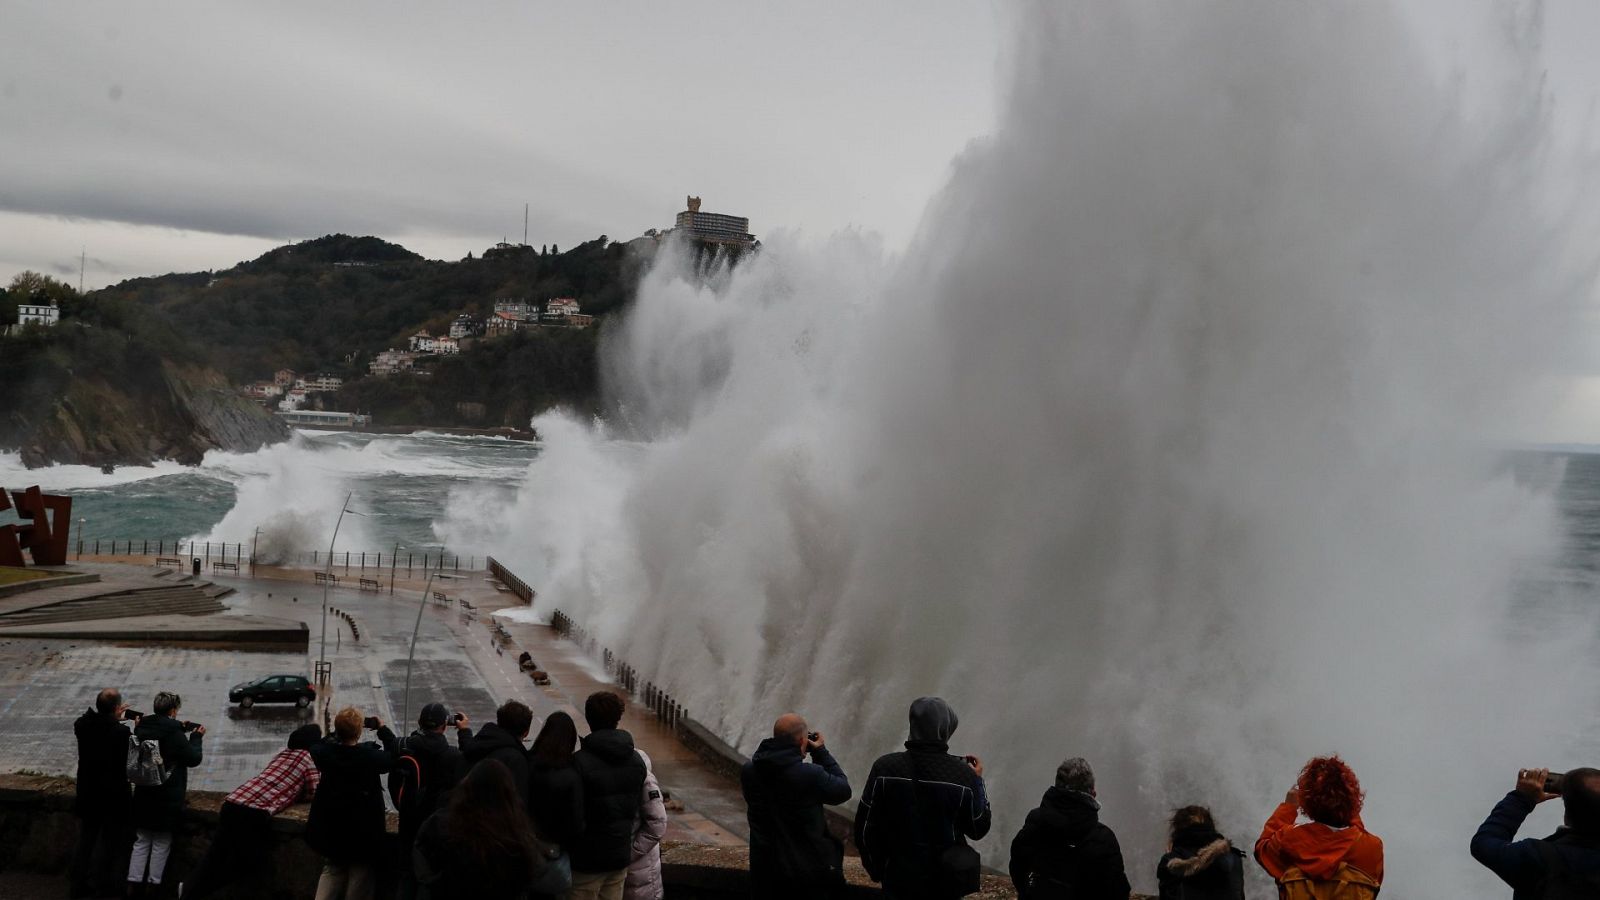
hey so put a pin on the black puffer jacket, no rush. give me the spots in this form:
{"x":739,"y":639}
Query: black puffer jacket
{"x":901,"y":830}
{"x":102,"y":767}
{"x":159,"y":807}
{"x":789,"y":838}
{"x":555,"y":802}
{"x":918,"y":804}
{"x":494,"y":742}
{"x":346,"y":823}
{"x":1064,"y":852}
{"x":1201,"y":865}
{"x":613,"y":783}
{"x":425,"y":770}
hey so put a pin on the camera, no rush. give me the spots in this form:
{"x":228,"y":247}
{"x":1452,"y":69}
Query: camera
{"x":1555,"y":782}
{"x":371,"y":722}
{"x":190,"y":726}
{"x":811,"y":736}
{"x":457,"y":718}
{"x":129,"y":715}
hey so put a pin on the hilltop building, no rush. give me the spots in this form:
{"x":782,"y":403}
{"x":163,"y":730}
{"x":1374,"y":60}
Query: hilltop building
{"x":322,"y":382}
{"x":34,"y":314}
{"x":560,"y":307}
{"x":522,"y":310}
{"x":390,"y":361}
{"x":503,"y":323}
{"x":715,"y":228}
{"x":463,"y":326}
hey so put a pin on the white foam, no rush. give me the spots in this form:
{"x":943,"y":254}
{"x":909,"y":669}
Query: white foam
{"x":1163,"y":444}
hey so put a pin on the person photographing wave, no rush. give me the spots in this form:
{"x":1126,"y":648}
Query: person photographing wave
{"x":919,"y":808}
{"x":1565,"y":864}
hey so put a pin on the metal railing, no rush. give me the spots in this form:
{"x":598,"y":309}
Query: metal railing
{"x":667,"y":710}
{"x":508,"y":578}
{"x":346,"y":560}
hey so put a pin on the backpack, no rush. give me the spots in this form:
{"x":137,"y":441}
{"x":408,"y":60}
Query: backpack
{"x":145,"y":767}
{"x":413,"y":787}
{"x":1560,"y":882}
{"x":1347,"y":883}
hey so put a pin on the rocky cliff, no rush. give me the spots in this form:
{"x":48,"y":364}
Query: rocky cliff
{"x":179,"y":414}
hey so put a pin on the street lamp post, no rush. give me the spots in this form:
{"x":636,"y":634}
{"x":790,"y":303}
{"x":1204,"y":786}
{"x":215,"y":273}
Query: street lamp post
{"x":322,"y":655}
{"x":393,"y":557}
{"x":405,"y":702}
{"x":254,"y":541}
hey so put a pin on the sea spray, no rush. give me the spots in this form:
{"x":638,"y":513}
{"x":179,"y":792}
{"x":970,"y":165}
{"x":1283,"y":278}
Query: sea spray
{"x":402,"y":486}
{"x":1169,"y":442}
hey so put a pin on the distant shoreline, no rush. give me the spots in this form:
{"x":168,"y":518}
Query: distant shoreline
{"x":507,"y":432}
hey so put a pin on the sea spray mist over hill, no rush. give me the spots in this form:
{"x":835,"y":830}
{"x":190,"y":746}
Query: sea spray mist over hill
{"x":1167,"y":442}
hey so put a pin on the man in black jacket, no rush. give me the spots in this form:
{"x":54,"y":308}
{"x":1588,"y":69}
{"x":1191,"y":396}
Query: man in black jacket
{"x":1565,"y":864}
{"x":501,"y":739}
{"x":427,"y":768}
{"x":1062,"y":850}
{"x":792,"y":853}
{"x":103,"y":805}
{"x":613,"y":783}
{"x":919,"y":807}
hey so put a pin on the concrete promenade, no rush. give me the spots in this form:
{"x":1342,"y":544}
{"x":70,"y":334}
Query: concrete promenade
{"x":460,"y":662}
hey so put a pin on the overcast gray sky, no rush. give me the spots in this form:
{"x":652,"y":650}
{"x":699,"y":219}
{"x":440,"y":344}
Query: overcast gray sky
{"x":184,"y":135}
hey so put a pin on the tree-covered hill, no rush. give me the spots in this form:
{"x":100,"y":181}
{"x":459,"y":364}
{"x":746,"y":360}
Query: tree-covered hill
{"x":112,"y":385}
{"x":329,"y":304}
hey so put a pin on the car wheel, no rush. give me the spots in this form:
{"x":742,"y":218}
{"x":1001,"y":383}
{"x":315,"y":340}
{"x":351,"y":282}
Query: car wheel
{"x":247,"y":702}
{"x":303,"y":701}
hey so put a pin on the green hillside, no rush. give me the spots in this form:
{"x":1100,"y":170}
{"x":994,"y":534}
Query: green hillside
{"x":330,"y":304}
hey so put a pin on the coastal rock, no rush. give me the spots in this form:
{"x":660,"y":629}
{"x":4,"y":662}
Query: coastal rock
{"x":178,"y":414}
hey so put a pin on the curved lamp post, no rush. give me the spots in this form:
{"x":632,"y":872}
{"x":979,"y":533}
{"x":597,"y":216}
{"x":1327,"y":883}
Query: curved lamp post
{"x":322,"y":655}
{"x":422,"y":602}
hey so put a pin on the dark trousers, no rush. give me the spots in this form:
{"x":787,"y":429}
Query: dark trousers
{"x":239,"y":851}
{"x":100,"y":861}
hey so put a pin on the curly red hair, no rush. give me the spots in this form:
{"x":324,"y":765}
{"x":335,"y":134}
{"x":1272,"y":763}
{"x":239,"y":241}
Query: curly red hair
{"x":1329,"y":791}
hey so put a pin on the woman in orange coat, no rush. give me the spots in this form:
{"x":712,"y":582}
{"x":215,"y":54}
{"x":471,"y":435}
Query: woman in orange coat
{"x":1333,"y":847}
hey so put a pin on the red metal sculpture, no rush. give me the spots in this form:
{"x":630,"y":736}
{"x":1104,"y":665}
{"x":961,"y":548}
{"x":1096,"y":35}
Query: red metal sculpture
{"x":45,"y":532}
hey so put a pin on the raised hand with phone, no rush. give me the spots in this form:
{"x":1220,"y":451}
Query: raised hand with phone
{"x":1565,"y":864}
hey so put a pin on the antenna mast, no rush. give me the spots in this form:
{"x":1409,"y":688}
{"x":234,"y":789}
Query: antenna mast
{"x":83,"y":253}
{"x":524,"y":224}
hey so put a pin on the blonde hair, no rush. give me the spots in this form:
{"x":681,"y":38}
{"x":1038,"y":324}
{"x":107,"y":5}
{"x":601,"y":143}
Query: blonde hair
{"x":347,"y":724}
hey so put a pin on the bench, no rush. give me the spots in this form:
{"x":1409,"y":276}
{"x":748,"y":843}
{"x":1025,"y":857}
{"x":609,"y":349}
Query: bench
{"x":168,"y":561}
{"x":326,"y":578}
{"x":233,"y":567}
{"x":439,"y":597}
{"x":369,"y":584}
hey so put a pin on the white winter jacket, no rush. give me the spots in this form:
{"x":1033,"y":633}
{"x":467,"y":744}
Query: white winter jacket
{"x":644,"y":873}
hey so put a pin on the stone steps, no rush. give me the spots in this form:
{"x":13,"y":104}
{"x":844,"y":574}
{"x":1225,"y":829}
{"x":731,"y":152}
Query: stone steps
{"x":185,"y":599}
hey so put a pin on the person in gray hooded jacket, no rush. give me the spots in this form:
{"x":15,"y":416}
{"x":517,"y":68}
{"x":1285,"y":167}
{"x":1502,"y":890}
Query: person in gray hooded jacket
{"x":918,"y":805}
